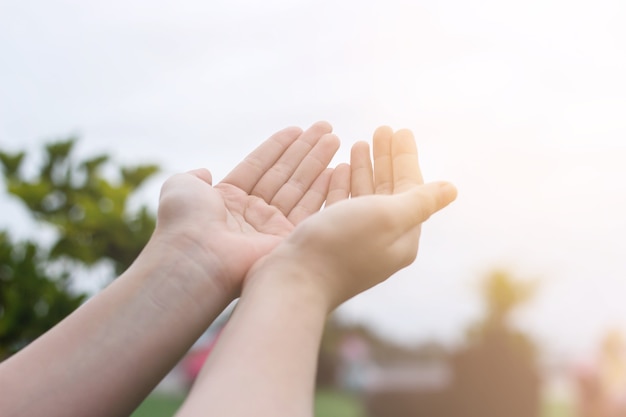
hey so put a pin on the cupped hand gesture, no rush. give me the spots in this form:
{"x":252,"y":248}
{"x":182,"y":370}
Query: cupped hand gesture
{"x":224,"y":229}
{"x":357,"y":243}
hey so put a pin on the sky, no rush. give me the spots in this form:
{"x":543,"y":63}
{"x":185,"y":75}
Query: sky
{"x":520,"y":104}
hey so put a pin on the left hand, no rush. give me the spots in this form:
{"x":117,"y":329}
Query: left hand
{"x":224,"y":229}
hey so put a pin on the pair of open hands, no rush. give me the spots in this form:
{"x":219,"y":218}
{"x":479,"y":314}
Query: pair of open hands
{"x":265,"y":206}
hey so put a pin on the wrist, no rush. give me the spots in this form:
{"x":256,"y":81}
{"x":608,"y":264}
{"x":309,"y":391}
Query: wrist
{"x":281,"y":274}
{"x":302,"y":272}
{"x":183,"y":268}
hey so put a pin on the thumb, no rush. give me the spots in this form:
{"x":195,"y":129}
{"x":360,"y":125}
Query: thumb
{"x":416,"y":205}
{"x":203,"y":174}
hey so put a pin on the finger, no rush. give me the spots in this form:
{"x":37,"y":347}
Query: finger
{"x":406,"y":169}
{"x":361,"y":172}
{"x":280,"y":172}
{"x":383,"y":166}
{"x":339,"y":187}
{"x":313,"y":164}
{"x":415,"y":206}
{"x":203,"y":174}
{"x":249,"y":171}
{"x":313,"y":199}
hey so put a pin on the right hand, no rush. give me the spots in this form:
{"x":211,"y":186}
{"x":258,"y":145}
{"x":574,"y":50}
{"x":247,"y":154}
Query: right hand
{"x":358,"y":243}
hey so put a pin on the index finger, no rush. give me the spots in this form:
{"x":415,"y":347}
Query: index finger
{"x":250,"y":171}
{"x":277,"y":175}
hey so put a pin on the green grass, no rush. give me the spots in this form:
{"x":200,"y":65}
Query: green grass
{"x":558,"y":409}
{"x":327,"y":404}
{"x":159,"y":405}
{"x":333,"y":404}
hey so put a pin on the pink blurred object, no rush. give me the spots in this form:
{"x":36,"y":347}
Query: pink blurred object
{"x":602,"y":382}
{"x":194,"y":360}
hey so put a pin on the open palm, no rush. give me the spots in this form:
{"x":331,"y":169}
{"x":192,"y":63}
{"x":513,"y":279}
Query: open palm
{"x":360,"y":242}
{"x":229,"y":226}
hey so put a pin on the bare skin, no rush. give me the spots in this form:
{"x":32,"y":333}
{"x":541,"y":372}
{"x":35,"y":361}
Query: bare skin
{"x":265,"y":360}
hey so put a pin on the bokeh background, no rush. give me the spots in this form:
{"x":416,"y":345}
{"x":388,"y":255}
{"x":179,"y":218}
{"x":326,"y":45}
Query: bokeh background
{"x":520,"y":104}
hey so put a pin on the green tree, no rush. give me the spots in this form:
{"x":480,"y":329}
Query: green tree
{"x":502,"y":295}
{"x":93,"y":222}
{"x":89,"y":212}
{"x":32,"y":300}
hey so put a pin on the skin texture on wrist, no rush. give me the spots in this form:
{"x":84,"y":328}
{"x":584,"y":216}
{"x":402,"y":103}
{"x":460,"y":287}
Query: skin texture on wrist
{"x":195,"y":266}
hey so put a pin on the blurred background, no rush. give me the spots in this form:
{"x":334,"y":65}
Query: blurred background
{"x":520,"y":104}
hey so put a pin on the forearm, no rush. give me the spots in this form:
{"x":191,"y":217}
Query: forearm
{"x":107,"y":356}
{"x":266,"y":358}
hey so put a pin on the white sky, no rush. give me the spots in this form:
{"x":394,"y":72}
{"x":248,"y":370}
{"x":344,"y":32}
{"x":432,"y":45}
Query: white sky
{"x":521,"y":104}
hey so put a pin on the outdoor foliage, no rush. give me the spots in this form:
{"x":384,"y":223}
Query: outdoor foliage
{"x":92,"y":221}
{"x":503,"y":295}
{"x":89,"y":211}
{"x":31,"y":301}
